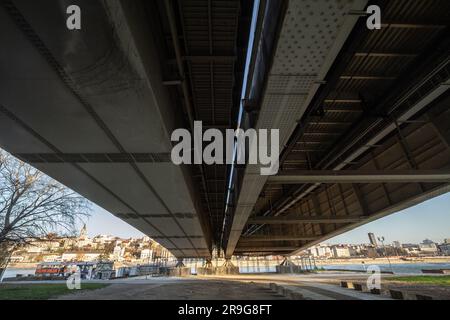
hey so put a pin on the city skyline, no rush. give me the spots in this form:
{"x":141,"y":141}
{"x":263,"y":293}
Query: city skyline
{"x":427,"y":220}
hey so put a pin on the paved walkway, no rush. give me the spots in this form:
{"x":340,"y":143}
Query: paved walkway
{"x":320,"y":286}
{"x":239,"y":287}
{"x":182,"y":289}
{"x":312,"y":286}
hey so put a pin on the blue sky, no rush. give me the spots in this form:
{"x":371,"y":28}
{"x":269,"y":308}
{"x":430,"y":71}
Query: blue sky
{"x":430,"y":219}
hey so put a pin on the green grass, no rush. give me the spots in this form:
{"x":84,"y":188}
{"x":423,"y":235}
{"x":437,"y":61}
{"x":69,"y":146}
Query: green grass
{"x":40,"y":291}
{"x":432,"y":280}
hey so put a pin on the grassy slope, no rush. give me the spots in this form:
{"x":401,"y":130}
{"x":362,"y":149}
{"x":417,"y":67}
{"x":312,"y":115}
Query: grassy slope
{"x":40,"y":291}
{"x":431,"y":280}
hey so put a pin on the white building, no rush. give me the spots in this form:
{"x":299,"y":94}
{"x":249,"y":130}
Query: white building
{"x":146,"y":254}
{"x":16,"y":259}
{"x":322,"y":251}
{"x":34,"y":249}
{"x":118,"y":253}
{"x":69,"y":242}
{"x":103,"y":239}
{"x":81,"y":243}
{"x":340,"y":252}
{"x":88,"y":257}
{"x":428,"y":247}
{"x":412,"y":250}
{"x":52,"y":258}
{"x":68,"y":257}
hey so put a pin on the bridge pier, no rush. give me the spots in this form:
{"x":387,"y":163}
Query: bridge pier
{"x":180,"y":270}
{"x":208,"y":263}
{"x":288,"y":266}
{"x":180,"y":263}
{"x":207,"y":268}
{"x":227,"y":268}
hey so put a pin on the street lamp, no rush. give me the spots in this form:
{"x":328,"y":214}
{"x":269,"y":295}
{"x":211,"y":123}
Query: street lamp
{"x":381,"y":239}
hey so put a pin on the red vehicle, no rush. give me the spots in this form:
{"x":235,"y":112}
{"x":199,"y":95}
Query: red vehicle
{"x":50,"y":269}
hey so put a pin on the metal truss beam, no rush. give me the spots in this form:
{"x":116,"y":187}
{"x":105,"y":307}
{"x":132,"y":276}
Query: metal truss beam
{"x":210,"y":58}
{"x":94,"y":157}
{"x":265,"y":249}
{"x":360,"y":176}
{"x":304,"y":220}
{"x":258,"y":238}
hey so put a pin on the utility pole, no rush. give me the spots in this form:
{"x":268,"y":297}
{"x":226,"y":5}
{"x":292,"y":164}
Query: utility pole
{"x":381,"y":239}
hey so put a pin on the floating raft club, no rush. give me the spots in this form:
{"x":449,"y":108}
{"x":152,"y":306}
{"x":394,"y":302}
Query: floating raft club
{"x":87,"y":270}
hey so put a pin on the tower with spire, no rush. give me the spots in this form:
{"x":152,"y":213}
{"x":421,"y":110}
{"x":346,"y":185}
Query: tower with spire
{"x":83,"y":233}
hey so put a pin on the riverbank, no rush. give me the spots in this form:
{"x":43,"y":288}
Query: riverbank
{"x":41,"y":291}
{"x":392,"y":260}
{"x":33,"y":265}
{"x":21,"y":265}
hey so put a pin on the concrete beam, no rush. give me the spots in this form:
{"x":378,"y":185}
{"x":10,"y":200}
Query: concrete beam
{"x":301,"y":220}
{"x":360,"y":176}
{"x":259,"y":238}
{"x":361,"y":201}
{"x":265,"y":249}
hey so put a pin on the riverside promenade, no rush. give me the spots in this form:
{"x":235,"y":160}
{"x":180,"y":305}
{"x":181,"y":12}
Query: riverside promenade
{"x":324,"y":285}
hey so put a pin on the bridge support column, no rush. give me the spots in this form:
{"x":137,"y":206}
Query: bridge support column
{"x":207,"y":268}
{"x":180,"y":263}
{"x":288,"y":266}
{"x":208,"y":263}
{"x":180,"y":270}
{"x":228,"y":263}
{"x":227,"y":268}
{"x":314,"y":263}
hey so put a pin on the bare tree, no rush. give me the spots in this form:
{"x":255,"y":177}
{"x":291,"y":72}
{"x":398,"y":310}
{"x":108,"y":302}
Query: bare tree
{"x":5,"y":253}
{"x":32,"y":205}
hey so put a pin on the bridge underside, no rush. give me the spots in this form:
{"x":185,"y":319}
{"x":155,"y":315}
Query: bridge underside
{"x":373,"y":140}
{"x":364,"y":115}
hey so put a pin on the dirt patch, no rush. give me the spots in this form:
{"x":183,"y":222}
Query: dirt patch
{"x":183,"y":290}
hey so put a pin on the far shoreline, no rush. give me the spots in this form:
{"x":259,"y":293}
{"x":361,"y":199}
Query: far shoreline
{"x":321,"y":262}
{"x":392,"y":260}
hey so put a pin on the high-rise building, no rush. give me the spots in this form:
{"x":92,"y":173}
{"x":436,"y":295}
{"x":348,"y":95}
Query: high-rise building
{"x":372,"y":239}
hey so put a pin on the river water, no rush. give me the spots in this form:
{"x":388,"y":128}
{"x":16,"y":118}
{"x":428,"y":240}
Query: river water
{"x":403,"y":268}
{"x":400,"y":268}
{"x":12,"y":272}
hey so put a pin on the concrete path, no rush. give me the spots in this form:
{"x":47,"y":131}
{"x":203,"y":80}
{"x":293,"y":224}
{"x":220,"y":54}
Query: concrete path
{"x":183,"y":289}
{"x":311,"y":286}
{"x":321,"y":286}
